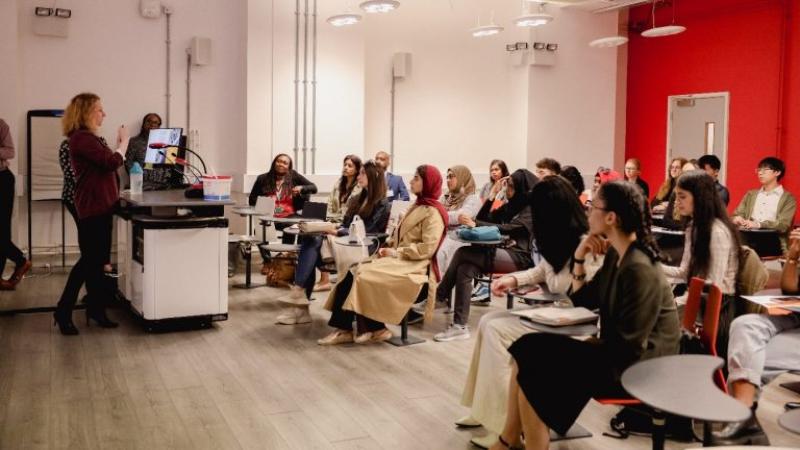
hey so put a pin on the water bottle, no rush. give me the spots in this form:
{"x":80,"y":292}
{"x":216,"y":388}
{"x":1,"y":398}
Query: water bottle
{"x":137,"y":178}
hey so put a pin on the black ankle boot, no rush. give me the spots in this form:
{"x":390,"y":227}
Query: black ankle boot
{"x":748,"y":432}
{"x":99,"y":316}
{"x":65,"y":325}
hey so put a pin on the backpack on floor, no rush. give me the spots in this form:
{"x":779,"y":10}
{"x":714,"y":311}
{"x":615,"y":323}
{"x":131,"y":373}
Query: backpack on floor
{"x":637,"y":420}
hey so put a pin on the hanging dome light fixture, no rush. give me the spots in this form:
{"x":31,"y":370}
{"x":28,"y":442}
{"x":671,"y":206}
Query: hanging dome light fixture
{"x":379,"y":6}
{"x":342,"y":20}
{"x":607,"y":42}
{"x":667,"y":30}
{"x":528,"y":19}
{"x":486,"y":30}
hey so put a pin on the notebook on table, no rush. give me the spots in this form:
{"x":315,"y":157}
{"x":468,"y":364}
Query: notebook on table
{"x":557,"y":317}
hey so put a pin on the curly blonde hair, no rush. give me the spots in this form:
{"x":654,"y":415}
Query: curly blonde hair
{"x":76,"y":116}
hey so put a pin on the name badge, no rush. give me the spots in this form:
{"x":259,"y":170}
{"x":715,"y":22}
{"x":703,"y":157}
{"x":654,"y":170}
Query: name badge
{"x":390,"y":193}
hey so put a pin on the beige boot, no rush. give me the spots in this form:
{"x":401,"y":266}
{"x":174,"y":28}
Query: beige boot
{"x":295,"y":315}
{"x":296,"y":296}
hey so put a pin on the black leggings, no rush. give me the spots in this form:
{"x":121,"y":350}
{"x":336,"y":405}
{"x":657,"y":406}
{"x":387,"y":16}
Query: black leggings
{"x":94,"y":239}
{"x":7,"y":248}
{"x":342,"y":319}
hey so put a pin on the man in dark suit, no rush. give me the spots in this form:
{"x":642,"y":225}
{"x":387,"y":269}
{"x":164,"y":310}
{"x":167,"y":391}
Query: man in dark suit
{"x":395,"y":187}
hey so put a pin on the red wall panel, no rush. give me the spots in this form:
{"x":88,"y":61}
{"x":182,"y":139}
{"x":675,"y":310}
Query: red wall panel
{"x":734,"y":46}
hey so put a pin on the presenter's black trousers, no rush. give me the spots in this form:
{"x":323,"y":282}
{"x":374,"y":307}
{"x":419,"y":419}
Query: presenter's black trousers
{"x":7,"y":248}
{"x":94,"y":240}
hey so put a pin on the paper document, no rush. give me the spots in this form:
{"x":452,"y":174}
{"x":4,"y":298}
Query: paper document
{"x":776,"y":304}
{"x":556,"y":317}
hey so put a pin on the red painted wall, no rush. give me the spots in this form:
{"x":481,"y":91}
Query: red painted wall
{"x":736,"y":46}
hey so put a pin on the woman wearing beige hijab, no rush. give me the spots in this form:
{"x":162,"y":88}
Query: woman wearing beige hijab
{"x":460,"y":199}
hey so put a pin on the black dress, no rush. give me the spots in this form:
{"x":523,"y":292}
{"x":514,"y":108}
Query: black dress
{"x":559,"y":375}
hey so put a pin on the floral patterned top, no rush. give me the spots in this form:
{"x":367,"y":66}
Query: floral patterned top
{"x":68,"y":191}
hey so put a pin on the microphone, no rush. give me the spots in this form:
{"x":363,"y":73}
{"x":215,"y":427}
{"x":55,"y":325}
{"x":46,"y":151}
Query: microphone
{"x":158,"y":145}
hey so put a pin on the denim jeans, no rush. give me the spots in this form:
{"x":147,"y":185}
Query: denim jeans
{"x":761,"y":347}
{"x":307,"y":261}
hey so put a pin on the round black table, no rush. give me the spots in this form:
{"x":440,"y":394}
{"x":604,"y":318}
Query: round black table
{"x":683,"y":385}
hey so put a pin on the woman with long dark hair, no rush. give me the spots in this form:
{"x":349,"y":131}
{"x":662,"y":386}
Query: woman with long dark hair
{"x":637,"y":312}
{"x":96,"y":196}
{"x":712,"y":245}
{"x":493,"y":188}
{"x":513,"y":220}
{"x":371,"y":206}
{"x":345,"y":188}
{"x":559,"y":223}
{"x":383,"y":290}
{"x":290,"y":189}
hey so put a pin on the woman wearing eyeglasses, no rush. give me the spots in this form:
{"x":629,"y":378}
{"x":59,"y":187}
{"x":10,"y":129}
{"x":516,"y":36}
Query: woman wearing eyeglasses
{"x":665,"y":190}
{"x":633,"y":174}
{"x":637,"y":312}
{"x":770,"y":206}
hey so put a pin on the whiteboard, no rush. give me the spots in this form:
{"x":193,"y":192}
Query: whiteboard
{"x":47,"y":179}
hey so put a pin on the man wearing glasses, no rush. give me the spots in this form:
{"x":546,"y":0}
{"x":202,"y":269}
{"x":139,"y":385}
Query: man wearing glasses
{"x":770,"y":207}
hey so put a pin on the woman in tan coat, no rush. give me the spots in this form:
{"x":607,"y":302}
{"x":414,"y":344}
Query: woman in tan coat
{"x":382,"y":290}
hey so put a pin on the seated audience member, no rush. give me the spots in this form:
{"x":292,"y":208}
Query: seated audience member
{"x":497,"y":171}
{"x":559,"y":223}
{"x":573,"y":175}
{"x":672,"y":218}
{"x":751,"y":364}
{"x":460,"y":200}
{"x":395,"y":187}
{"x":154,"y":177}
{"x":546,"y":167}
{"x":373,"y":208}
{"x":712,"y":165}
{"x":383,"y":290}
{"x":494,"y":191}
{"x":711,"y":249}
{"x":665,"y":190}
{"x":344,"y":188}
{"x":638,"y":316}
{"x":770,"y":206}
{"x":601,"y":177}
{"x":290,"y":189}
{"x":513,"y":220}
{"x":633,"y":174}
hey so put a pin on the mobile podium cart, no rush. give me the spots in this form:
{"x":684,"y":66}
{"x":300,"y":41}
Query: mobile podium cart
{"x":173,"y":253}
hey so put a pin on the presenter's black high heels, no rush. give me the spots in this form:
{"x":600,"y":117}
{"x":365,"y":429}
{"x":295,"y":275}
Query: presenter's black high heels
{"x":99,"y":316}
{"x":65,"y":325}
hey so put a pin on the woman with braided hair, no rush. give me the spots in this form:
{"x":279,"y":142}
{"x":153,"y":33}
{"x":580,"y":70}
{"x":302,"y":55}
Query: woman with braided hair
{"x":637,"y":311}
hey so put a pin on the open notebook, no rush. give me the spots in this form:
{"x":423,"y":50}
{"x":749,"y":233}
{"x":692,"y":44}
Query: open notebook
{"x":557,"y":317}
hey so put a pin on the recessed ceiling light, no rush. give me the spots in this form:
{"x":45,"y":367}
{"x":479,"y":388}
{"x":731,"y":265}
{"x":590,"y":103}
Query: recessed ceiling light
{"x":379,"y":6}
{"x":486,"y":30}
{"x":341,"y":20}
{"x":533,"y":20}
{"x":613,"y":41}
{"x":668,"y":30}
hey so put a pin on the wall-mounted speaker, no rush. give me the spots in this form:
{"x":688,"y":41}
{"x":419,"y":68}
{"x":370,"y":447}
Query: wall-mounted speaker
{"x":401,"y":65}
{"x":200,"y":49}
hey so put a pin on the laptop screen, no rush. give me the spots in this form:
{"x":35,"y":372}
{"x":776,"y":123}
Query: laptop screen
{"x":171,"y":137}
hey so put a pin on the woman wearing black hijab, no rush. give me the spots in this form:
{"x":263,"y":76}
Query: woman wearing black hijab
{"x":513,"y":219}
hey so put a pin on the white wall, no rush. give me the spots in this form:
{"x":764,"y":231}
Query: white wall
{"x":573,"y":103}
{"x":463,"y":103}
{"x":113,"y":51}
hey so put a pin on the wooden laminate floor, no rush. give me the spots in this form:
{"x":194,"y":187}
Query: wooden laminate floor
{"x":246,"y":383}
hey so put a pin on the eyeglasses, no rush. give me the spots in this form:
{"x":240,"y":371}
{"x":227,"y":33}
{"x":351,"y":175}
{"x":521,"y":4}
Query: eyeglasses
{"x":450,"y":175}
{"x":592,"y":207}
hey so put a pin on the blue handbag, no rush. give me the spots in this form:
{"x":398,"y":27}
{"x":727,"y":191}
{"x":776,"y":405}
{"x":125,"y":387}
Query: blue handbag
{"x":490,"y":233}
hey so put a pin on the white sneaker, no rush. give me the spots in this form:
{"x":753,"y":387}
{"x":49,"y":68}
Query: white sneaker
{"x":295,"y":316}
{"x":467,"y":422}
{"x":296,"y":296}
{"x":452,"y":333}
{"x":484,"y":441}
